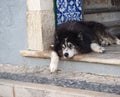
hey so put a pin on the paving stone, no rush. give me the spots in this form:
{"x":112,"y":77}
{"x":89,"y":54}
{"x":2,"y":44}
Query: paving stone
{"x":26,"y":92}
{"x":6,"y":91}
{"x":24,"y":89}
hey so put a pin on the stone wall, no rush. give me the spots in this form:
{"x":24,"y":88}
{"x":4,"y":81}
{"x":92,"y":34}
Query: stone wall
{"x":40,"y":25}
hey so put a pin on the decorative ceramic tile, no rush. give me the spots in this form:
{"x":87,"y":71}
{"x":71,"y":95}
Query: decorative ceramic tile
{"x":68,"y":10}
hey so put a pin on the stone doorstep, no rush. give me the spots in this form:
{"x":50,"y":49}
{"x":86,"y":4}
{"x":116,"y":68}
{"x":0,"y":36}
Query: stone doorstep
{"x":111,"y":58}
{"x":24,"y":89}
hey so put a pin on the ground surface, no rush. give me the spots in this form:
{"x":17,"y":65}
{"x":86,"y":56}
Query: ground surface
{"x":78,"y":80}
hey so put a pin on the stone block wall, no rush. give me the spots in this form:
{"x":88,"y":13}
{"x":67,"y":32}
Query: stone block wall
{"x":40,"y":24}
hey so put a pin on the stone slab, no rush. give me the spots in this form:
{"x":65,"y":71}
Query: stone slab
{"x":42,"y":90}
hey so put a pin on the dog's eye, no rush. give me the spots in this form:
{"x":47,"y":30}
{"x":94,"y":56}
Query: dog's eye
{"x":70,"y":45}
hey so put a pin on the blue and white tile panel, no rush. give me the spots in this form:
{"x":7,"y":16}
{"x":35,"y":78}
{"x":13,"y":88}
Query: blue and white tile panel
{"x":68,"y":10}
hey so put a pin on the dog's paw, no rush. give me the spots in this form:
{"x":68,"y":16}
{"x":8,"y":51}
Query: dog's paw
{"x":54,"y":62}
{"x":53,"y":68}
{"x":117,"y":41}
{"x":97,"y":48}
{"x":100,"y":50}
{"x":106,"y":42}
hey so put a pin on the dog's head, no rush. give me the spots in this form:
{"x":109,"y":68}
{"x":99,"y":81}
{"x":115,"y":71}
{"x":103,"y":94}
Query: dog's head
{"x":68,"y":49}
{"x":71,"y":38}
{"x":67,"y":44}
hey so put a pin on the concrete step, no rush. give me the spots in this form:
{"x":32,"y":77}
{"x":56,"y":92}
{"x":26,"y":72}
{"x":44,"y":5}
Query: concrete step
{"x":10,"y":88}
{"x":111,"y":56}
{"x":26,"y":81}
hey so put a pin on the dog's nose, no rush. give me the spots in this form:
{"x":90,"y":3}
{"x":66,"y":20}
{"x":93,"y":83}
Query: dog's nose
{"x":66,"y":54}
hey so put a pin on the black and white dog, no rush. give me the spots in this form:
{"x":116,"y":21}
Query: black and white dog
{"x":74,"y":37}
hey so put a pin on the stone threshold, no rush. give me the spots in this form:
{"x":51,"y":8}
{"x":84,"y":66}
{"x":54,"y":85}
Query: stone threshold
{"x":10,"y":88}
{"x":111,"y":56}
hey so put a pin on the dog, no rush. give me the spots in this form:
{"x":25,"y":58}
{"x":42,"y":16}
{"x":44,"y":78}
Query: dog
{"x":79,"y":37}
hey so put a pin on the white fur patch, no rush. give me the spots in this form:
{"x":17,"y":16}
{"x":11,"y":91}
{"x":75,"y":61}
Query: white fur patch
{"x":106,"y":41}
{"x":54,"y":62}
{"x":97,"y":48}
{"x":117,"y":41}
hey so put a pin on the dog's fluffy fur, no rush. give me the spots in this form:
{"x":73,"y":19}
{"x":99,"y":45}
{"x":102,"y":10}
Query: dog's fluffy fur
{"x":74,"y":37}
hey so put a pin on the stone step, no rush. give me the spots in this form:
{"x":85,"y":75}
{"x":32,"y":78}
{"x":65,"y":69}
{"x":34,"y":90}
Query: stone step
{"x":101,"y":10}
{"x":10,"y":88}
{"x":26,"y":81}
{"x":109,"y":19}
{"x":111,"y":56}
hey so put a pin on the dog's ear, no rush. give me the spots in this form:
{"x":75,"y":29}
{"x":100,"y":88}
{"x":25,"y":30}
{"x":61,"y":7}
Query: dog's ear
{"x":57,"y":46}
{"x":80,"y":36}
{"x":56,"y":40}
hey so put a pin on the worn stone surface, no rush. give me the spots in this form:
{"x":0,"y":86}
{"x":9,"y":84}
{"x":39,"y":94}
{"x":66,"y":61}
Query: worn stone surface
{"x":111,"y":55}
{"x":40,"y":29}
{"x":25,"y":89}
{"x":103,"y":17}
{"x":34,"y":30}
{"x":48,"y":28}
{"x":40,"y":5}
{"x":97,"y":3}
{"x":6,"y":91}
{"x":70,"y":83}
{"x":76,"y":80}
{"x":40,"y":24}
{"x":44,"y":72}
{"x":27,"y":92}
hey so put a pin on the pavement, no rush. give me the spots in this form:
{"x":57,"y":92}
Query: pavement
{"x":76,"y":80}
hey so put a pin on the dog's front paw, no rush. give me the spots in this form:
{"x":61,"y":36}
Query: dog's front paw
{"x":53,"y":68}
{"x":54,"y":62}
{"x":117,"y":41}
{"x":97,"y":48}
